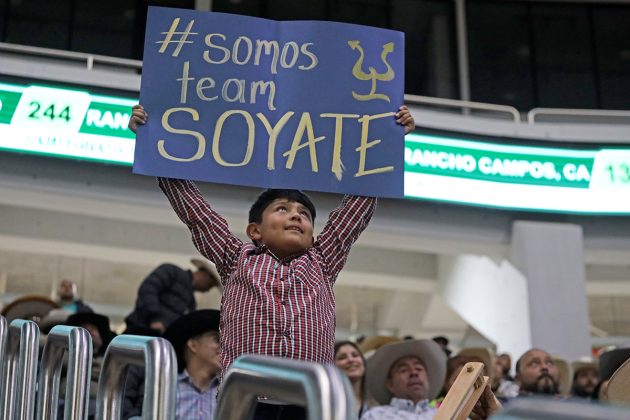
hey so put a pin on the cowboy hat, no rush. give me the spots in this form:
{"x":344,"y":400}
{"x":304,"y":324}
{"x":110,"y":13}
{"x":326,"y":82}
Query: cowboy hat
{"x":210,"y":269}
{"x":379,"y":365}
{"x":610,"y":361}
{"x":565,"y":374}
{"x":101,"y":322}
{"x":619,"y":384}
{"x":484,"y":354}
{"x":373,"y":343}
{"x":188,"y":326}
{"x":31,"y":307}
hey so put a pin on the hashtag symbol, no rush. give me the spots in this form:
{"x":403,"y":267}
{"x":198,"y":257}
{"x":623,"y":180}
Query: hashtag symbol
{"x":183,"y":36}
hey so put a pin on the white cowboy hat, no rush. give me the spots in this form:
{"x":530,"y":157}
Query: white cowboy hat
{"x":565,"y":374}
{"x":379,"y":364}
{"x":485,"y":354}
{"x":210,"y":269}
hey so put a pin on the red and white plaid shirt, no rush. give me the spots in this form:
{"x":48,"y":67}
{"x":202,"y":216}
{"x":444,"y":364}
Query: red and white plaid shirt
{"x":278,"y":308}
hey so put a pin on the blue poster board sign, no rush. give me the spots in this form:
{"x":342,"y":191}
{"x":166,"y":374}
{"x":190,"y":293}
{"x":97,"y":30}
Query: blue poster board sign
{"x":249,"y":101}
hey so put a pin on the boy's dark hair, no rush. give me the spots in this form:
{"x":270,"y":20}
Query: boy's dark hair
{"x":267,"y":197}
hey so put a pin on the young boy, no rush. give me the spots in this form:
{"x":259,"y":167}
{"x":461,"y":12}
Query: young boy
{"x":278,"y":290}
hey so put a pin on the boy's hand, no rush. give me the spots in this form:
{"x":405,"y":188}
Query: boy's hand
{"x":138,"y":116}
{"x":403,"y":117}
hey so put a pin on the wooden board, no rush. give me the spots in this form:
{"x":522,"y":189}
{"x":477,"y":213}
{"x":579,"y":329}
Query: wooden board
{"x":464,"y":393}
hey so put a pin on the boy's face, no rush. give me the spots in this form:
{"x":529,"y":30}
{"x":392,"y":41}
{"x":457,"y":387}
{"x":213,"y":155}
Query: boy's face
{"x":286,"y":228}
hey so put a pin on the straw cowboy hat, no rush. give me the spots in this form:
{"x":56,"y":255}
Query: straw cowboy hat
{"x":610,"y":361}
{"x":31,"y":307}
{"x":210,"y":269}
{"x":373,"y":343}
{"x":565,"y":374}
{"x":484,"y":354}
{"x":188,"y":326}
{"x":619,"y":385}
{"x":378,"y":366}
{"x":583,"y":363}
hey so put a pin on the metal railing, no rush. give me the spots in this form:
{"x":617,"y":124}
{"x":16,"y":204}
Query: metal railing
{"x":19,"y":349}
{"x":90,"y":60}
{"x":598,"y":113}
{"x":463,"y":105}
{"x":19,"y":371}
{"x":323,"y":390}
{"x":78,"y":343}
{"x":158,"y":358}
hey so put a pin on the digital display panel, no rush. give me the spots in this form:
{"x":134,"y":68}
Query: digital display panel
{"x":72,"y":123}
{"x":567,"y":180}
{"x":66,"y":123}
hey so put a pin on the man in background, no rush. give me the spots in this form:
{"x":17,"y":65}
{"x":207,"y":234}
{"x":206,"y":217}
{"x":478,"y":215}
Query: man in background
{"x":585,"y":378}
{"x":537,"y":374}
{"x":168,"y":293}
{"x":68,"y":300}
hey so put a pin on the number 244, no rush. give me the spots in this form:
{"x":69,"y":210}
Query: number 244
{"x":38,"y":112}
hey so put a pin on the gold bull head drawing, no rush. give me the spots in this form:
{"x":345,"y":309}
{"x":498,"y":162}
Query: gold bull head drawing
{"x":372,"y":74}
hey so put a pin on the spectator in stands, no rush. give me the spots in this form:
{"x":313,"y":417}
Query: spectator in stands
{"x":609,"y":362}
{"x":404,"y":377}
{"x":454,"y":366}
{"x":505,"y":360}
{"x":537,"y":374}
{"x":443,"y":342}
{"x":195,"y":338}
{"x":503,"y":388}
{"x":350,"y":360}
{"x":585,"y":378}
{"x":134,"y":383}
{"x":98,"y":327}
{"x":168,"y":293}
{"x":67,"y":298}
{"x":279,"y":298}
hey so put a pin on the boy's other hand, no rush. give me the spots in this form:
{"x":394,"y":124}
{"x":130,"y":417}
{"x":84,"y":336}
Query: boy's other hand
{"x":138,"y":117}
{"x":404,"y":118}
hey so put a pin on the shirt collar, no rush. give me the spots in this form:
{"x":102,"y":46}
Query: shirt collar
{"x":408,"y":405}
{"x":261,"y":249}
{"x":185,"y":377}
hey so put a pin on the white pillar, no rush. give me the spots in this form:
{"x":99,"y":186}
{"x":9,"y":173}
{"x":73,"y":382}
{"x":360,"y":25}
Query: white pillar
{"x":551,"y":257}
{"x":490,"y":296}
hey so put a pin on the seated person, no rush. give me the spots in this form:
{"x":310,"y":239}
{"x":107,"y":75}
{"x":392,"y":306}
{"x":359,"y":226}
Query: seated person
{"x":98,"y":327}
{"x":349,"y":359}
{"x":195,"y":338}
{"x":585,"y":378}
{"x":404,"y":377}
{"x":537,"y":374}
{"x":67,"y":298}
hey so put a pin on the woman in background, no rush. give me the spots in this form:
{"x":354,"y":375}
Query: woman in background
{"x":350,"y":360}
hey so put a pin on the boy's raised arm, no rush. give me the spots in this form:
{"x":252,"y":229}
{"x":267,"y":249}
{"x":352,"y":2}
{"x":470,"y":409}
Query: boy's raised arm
{"x":348,"y":221}
{"x":344,"y":225}
{"x":210,"y":232}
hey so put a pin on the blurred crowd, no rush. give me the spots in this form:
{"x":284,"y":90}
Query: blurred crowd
{"x":392,"y":378}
